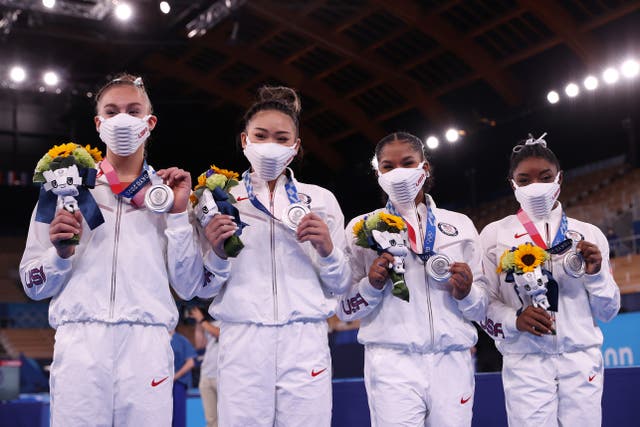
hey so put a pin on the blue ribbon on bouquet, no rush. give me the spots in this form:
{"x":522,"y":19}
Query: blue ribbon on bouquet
{"x":47,"y":201}
{"x":225,"y":207}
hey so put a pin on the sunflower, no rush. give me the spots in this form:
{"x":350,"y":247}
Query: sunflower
{"x":392,"y":221}
{"x":193,"y":199}
{"x":527,"y":257}
{"x":62,"y":150}
{"x":94,"y":152}
{"x":202,"y":180}
{"x":227,"y":173}
{"x":506,"y":261}
{"x":357,"y":227}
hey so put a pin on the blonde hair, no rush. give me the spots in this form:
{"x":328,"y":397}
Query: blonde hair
{"x":125,"y":79}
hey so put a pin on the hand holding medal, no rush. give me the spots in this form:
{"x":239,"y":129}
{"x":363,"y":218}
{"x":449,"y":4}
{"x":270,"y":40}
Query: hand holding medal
{"x":460,"y":280}
{"x":591,"y":256}
{"x":172,"y":196}
{"x":311,"y":228}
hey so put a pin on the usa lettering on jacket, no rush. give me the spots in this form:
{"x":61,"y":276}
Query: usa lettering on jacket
{"x":353,"y":304}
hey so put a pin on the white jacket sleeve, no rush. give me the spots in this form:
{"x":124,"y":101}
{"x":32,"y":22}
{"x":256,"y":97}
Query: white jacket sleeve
{"x":604,"y":294}
{"x":42,"y":272}
{"x":362,"y":297}
{"x":216,"y":270}
{"x":334,"y":270}
{"x":184,"y":256}
{"x":474,"y":305}
{"x":500,"y":322}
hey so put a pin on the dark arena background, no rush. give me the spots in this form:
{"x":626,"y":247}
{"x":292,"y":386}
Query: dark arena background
{"x":469,"y":77}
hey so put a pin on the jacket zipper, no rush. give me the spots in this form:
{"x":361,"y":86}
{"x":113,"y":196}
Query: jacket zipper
{"x":555,"y":316}
{"x":274,"y":284}
{"x":114,"y":261}
{"x":426,"y":279}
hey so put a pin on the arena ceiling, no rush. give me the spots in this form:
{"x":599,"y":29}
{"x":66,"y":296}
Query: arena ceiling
{"x":363,"y":67}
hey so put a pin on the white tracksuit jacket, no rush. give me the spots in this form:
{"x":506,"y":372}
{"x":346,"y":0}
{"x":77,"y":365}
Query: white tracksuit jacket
{"x":275,"y":279}
{"x":433,"y":321}
{"x":581,"y":300}
{"x":273,"y":299}
{"x":418,"y":369}
{"x":557,"y":379}
{"x":120,"y":271}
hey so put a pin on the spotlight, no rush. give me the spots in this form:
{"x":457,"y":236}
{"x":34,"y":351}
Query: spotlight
{"x":572,"y":90}
{"x":50,"y":78}
{"x":433,"y":142}
{"x":553,"y":97}
{"x":590,"y":83}
{"x":123,"y":11}
{"x":49,"y":4}
{"x":165,"y":7}
{"x":191,"y":34}
{"x":17,"y":74}
{"x":610,"y":75}
{"x":452,"y":135}
{"x":630,"y":68}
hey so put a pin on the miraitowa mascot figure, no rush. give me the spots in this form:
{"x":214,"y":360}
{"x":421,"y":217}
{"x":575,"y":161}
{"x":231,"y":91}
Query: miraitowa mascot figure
{"x":394,"y":244}
{"x":64,"y":182}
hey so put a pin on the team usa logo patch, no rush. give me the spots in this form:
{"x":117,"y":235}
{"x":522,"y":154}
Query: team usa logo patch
{"x":576,"y":236}
{"x":448,"y":229}
{"x":304,"y":198}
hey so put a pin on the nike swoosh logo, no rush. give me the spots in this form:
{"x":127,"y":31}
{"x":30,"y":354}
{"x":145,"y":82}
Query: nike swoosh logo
{"x":517,"y":236}
{"x":463,"y":400}
{"x":315,"y":373}
{"x":591,"y":377}
{"x":155,"y":383}
{"x":239,"y":199}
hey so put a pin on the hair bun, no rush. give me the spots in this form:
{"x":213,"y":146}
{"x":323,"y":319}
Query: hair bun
{"x":282,"y":94}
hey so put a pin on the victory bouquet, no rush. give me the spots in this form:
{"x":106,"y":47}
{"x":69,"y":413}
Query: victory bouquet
{"x":524,"y":266}
{"x":66,"y":173}
{"x":212,"y":196}
{"x":383,"y":232}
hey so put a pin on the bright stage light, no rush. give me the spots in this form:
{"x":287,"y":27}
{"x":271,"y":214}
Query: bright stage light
{"x":49,"y":4}
{"x":124,"y":11}
{"x":590,"y":83}
{"x":553,"y":97}
{"x":630,"y":68}
{"x":610,"y":75}
{"x":452,"y":135}
{"x":50,"y":78}
{"x":572,"y":90}
{"x":17,"y":74}
{"x":165,"y":7}
{"x":433,"y":142}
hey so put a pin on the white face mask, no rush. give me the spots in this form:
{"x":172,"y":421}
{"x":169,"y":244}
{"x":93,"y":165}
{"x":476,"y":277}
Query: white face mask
{"x":402,"y":185}
{"x":537,"y":199}
{"x":269,"y":159}
{"x":124,"y":133}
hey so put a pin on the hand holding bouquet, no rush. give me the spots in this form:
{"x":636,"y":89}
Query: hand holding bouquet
{"x":212,"y":196}
{"x":67,"y":171}
{"x":383,"y":232}
{"x":523,"y":265}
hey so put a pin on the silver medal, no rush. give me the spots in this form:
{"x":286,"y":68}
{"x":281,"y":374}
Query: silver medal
{"x":438,"y":267}
{"x":293,"y":214}
{"x":159,"y":198}
{"x":573,"y":263}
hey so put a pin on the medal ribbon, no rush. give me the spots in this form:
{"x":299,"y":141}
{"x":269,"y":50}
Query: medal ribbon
{"x":290,"y":187}
{"x":133,"y":192}
{"x":429,"y":233}
{"x":560,"y":242}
